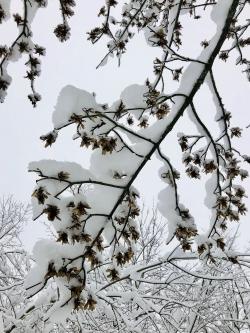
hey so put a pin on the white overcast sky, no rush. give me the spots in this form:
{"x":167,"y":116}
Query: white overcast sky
{"x":74,"y":63}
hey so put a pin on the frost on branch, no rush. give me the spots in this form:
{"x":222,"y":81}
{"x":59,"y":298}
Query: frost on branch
{"x":95,"y":213}
{"x":14,"y":260}
{"x":188,"y":294}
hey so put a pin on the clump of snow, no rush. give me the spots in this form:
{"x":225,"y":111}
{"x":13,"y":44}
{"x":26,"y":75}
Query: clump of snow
{"x":72,"y":100}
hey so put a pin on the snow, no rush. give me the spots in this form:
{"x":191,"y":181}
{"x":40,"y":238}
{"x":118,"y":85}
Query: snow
{"x":103,"y":165}
{"x":72,"y":100}
{"x":1,"y":323}
{"x":51,"y":168}
{"x":134,"y":97}
{"x":166,"y":206}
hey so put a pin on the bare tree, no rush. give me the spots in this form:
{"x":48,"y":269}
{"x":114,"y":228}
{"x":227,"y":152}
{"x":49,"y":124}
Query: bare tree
{"x":192,"y":298}
{"x":14,"y":261}
{"x":179,"y":301}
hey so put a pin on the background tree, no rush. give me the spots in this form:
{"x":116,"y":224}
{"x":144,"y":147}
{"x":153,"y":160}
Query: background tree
{"x":191,"y":299}
{"x":14,"y":261}
{"x":196,"y":302}
{"x":194,"y":299}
